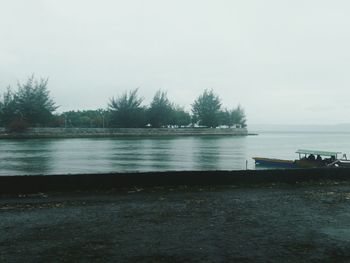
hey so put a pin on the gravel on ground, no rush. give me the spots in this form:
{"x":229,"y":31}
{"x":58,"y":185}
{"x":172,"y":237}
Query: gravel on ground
{"x":266,"y":223}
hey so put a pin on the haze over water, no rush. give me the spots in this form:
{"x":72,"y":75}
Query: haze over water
{"x":61,"y":156}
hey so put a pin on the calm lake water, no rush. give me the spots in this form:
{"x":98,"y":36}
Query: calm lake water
{"x":57,"y":156}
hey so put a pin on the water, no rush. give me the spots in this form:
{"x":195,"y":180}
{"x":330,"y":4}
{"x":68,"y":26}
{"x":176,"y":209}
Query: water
{"x":59,"y":156}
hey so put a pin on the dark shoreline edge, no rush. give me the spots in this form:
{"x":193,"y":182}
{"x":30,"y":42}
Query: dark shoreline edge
{"x":13,"y":185}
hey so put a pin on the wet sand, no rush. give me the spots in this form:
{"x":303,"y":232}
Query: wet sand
{"x":308,"y":222}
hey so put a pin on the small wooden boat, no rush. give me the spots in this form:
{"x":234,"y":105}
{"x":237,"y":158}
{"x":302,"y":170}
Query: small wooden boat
{"x":307,"y":159}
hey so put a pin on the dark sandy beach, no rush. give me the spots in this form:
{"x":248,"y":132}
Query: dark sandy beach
{"x":307,"y":222}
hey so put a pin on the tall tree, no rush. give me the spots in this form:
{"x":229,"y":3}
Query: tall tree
{"x":238,"y":116}
{"x":233,"y":117}
{"x":160,"y":110}
{"x":126,"y":110}
{"x":180,"y":117}
{"x":33,"y":102}
{"x":225,"y":117}
{"x":7,"y":107}
{"x":206,"y":109}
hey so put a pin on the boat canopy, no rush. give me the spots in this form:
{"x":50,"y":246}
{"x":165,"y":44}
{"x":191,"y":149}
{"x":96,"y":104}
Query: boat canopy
{"x":322,"y":153}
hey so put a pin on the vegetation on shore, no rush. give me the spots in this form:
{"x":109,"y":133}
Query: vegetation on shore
{"x":32,"y":106}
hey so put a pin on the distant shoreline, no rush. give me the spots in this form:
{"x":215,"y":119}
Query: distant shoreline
{"x":34,"y":133}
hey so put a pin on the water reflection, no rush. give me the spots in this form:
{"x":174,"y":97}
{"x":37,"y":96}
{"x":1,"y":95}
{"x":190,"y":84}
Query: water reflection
{"x":206,"y":153}
{"x":158,"y":154}
{"x":234,"y":153}
{"x":58,"y":156}
{"x":126,"y":154}
{"x":26,"y":156}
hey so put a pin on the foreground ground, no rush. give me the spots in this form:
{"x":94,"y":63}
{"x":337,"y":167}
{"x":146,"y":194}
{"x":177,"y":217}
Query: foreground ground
{"x":271,"y":223}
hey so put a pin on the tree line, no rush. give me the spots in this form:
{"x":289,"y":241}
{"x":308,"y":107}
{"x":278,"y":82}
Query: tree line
{"x":31,"y":105}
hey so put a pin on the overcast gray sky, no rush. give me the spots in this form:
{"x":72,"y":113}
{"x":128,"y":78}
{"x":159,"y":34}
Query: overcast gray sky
{"x":283,"y":61}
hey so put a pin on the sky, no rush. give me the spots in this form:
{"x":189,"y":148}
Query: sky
{"x":283,"y":61}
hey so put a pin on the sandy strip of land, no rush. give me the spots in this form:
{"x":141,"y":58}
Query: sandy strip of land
{"x":270,"y":223}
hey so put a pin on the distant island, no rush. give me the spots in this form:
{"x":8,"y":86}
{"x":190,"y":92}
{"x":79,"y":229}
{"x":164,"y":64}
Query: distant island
{"x":30,"y":107}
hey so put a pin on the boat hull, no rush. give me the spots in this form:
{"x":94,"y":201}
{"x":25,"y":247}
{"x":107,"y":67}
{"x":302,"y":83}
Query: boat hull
{"x":274,"y":163}
{"x":344,"y":163}
{"x":304,"y":163}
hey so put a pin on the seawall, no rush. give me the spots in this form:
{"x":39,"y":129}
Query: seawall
{"x":96,"y":182}
{"x":120,"y":132}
